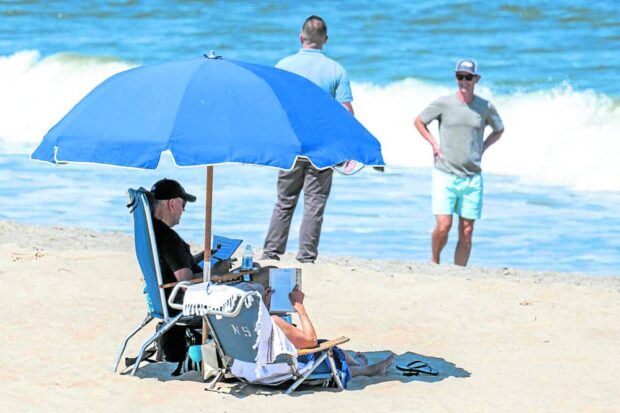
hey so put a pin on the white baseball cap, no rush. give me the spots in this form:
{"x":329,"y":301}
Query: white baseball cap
{"x":468,"y":66}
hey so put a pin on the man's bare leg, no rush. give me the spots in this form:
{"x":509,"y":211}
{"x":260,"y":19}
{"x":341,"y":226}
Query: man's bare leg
{"x":358,"y":360}
{"x":443,"y":223}
{"x":362,"y":358}
{"x":378,"y":369}
{"x":463,"y":246}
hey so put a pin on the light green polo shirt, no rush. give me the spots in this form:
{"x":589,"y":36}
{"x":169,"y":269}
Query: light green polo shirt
{"x":461,"y":132}
{"x":328,"y":74}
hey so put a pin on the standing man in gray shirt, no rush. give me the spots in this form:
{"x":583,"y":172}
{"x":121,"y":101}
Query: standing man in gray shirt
{"x":311,"y":63}
{"x":457,"y":181}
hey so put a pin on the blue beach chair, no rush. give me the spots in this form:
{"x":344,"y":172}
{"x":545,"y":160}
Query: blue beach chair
{"x":234,"y":334}
{"x":148,"y":259}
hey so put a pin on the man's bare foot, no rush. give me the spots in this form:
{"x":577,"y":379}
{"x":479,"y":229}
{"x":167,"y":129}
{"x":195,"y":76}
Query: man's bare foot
{"x":356,"y":359}
{"x":350,"y":358}
{"x":363,"y":360}
{"x":381,"y":368}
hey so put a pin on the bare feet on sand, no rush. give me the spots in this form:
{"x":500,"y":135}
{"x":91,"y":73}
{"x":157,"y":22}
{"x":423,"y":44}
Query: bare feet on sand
{"x":361,"y":359}
{"x":378,"y":369}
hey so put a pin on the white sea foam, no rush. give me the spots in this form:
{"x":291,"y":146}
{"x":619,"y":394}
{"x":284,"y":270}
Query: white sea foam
{"x":556,"y":136}
{"x":37,"y":92}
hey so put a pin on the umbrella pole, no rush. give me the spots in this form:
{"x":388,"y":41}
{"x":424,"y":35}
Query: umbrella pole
{"x":206,"y":275}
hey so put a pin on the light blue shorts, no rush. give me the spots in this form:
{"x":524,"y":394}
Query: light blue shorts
{"x":453,"y":194}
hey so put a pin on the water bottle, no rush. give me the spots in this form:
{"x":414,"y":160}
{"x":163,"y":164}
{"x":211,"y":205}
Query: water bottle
{"x":247,"y":262}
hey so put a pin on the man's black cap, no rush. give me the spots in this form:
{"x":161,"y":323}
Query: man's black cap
{"x":170,"y":189}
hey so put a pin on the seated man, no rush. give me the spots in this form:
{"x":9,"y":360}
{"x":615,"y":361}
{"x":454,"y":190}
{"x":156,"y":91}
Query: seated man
{"x":305,"y":337}
{"x":175,"y":258}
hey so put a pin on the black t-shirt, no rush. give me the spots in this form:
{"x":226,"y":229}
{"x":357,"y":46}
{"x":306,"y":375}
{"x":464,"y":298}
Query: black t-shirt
{"x":174,"y":254}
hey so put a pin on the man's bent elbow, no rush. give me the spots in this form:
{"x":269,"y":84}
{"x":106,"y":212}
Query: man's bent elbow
{"x":307,"y":339}
{"x":419,"y":124}
{"x":184,"y":274}
{"x":309,"y":342}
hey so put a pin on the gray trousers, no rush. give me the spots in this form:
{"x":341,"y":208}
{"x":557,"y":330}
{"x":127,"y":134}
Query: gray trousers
{"x":316,"y":185}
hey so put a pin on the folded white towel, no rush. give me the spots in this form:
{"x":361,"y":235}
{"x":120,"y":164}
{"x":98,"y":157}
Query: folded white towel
{"x":279,"y":344}
{"x":263,"y":371}
{"x":203,"y":298}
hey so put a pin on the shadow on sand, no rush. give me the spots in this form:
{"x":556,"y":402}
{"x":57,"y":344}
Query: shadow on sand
{"x":445,"y":369}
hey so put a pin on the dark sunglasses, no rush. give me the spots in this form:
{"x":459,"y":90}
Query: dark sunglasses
{"x":469,"y":78}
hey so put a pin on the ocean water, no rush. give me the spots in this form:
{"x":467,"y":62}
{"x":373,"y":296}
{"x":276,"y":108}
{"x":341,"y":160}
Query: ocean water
{"x":552,"y":184}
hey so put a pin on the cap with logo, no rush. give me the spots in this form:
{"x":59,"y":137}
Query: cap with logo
{"x":467,"y":66}
{"x":170,"y":189}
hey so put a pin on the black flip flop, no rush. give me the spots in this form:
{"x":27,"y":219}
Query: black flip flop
{"x":417,"y":367}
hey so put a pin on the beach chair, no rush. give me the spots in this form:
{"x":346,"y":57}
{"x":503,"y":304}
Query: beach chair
{"x":148,"y":259}
{"x":235,"y":335}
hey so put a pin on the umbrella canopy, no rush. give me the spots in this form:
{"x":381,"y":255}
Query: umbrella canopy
{"x":207,"y":111}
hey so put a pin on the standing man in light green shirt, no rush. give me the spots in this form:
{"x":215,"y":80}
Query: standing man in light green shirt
{"x":457,"y":180}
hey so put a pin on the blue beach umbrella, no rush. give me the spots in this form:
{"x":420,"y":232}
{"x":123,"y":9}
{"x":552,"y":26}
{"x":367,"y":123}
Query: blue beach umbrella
{"x":205,"y":112}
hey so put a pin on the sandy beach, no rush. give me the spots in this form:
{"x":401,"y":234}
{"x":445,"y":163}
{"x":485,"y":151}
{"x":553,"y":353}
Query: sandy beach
{"x":502,"y":339}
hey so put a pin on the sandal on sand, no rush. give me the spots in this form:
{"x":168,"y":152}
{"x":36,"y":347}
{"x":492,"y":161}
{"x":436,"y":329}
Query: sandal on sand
{"x":417,"y":367}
